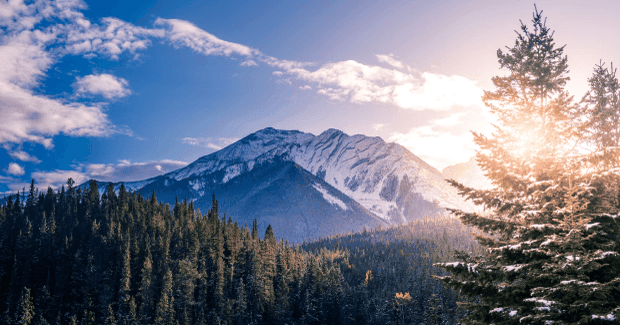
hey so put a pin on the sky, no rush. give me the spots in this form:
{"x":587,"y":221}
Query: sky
{"x":122,"y":90}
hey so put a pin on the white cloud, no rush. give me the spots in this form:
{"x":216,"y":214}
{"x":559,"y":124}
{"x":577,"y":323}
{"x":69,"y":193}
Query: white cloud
{"x":389,"y":59}
{"x":7,"y":180}
{"x":25,"y":117}
{"x":211,"y":143}
{"x":127,"y":171}
{"x":184,"y":33}
{"x":447,"y":139}
{"x":452,"y":120}
{"x":15,"y":169}
{"x":19,"y":154}
{"x":438,"y":92}
{"x":378,"y":126}
{"x":104,"y":84}
{"x":282,"y":64}
{"x":54,"y":179}
{"x":344,"y":80}
{"x":248,"y":63}
{"x":28,"y":51}
{"x":23,"y":156}
{"x":357,"y":82}
{"x":110,"y":39}
{"x":124,"y":171}
{"x":439,"y":149}
{"x":306,"y":87}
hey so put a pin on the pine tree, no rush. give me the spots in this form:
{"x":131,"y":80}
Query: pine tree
{"x":550,"y":222}
{"x":601,"y":109}
{"x":165,"y":313}
{"x":110,"y":319}
{"x":145,"y":291}
{"x":25,"y":309}
{"x":124,"y":291}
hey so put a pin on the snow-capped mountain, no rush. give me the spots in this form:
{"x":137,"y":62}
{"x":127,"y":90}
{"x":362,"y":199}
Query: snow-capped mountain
{"x":385,"y":178}
{"x":323,"y":184}
{"x":277,"y":192}
{"x":368,"y":169}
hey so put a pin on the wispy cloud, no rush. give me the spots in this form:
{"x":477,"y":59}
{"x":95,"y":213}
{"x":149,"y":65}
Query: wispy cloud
{"x":211,"y":143}
{"x":127,"y":171}
{"x":124,"y":170}
{"x":17,"y":152}
{"x":378,"y":126}
{"x":389,"y":59}
{"x":248,"y":63}
{"x":184,"y":33}
{"x":110,"y":38}
{"x":54,"y":179}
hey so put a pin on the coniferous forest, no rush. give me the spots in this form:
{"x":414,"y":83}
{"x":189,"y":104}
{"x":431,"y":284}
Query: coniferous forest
{"x":78,"y":257}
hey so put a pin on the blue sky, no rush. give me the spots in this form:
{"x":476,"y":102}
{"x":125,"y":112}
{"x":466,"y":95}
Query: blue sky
{"x":126,"y":90}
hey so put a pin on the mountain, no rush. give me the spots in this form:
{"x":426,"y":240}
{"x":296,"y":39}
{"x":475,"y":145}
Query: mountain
{"x":299,"y":205}
{"x":468,"y":174}
{"x":310,"y":186}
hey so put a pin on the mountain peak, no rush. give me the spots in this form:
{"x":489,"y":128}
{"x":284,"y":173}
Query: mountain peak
{"x":331,"y":132}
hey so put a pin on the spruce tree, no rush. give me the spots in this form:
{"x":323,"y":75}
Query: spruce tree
{"x":550,"y":220}
{"x":25,"y":309}
{"x":601,"y":107}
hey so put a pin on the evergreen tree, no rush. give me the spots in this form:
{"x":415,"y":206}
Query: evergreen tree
{"x":110,"y":319}
{"x":124,"y":293}
{"x":25,"y":309}
{"x":165,"y":313}
{"x":601,"y":107}
{"x":145,"y":291}
{"x":550,"y":221}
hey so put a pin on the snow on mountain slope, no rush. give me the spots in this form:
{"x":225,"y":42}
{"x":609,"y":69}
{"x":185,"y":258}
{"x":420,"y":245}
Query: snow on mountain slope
{"x":384,"y":178}
{"x":278,"y":192}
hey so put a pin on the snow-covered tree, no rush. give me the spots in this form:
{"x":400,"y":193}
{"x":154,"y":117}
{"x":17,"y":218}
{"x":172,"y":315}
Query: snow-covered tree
{"x":550,"y":220}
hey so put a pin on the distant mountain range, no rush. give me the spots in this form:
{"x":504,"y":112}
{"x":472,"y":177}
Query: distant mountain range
{"x":308,"y":186}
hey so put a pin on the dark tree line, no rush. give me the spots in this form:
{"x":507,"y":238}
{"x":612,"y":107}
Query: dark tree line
{"x":80,"y":257}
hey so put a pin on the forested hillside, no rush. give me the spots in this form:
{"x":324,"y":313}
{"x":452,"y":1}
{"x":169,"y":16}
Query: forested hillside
{"x":73,"y":257}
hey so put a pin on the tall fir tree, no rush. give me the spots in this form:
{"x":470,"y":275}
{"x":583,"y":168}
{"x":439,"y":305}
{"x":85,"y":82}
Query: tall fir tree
{"x":25,"y":310}
{"x":550,"y":220}
{"x":601,"y":111}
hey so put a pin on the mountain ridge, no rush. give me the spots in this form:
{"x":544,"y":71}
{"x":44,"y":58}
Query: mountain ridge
{"x":385,"y":182}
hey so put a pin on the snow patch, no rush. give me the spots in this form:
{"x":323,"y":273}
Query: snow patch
{"x":513,"y":268}
{"x":606,"y":317}
{"x":231,"y":172}
{"x":330,"y":198}
{"x":542,"y":301}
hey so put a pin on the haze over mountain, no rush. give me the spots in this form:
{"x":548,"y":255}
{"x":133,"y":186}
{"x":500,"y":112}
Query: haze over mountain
{"x":469,"y":174}
{"x":310,"y":186}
